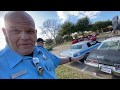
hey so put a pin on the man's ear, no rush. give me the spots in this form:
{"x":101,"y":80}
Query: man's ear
{"x":4,"y":31}
{"x":36,"y":31}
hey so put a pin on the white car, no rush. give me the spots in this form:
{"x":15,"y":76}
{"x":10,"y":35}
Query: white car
{"x":80,"y":49}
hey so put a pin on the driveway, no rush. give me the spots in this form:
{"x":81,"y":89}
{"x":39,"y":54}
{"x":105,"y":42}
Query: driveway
{"x":57,"y":50}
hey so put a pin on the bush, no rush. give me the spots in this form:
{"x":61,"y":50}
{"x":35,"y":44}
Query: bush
{"x":49,"y":48}
{"x":48,"y":41}
{"x":67,"y":38}
{"x":59,"y":40}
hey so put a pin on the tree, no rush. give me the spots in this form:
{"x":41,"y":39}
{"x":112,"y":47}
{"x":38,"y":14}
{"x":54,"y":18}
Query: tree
{"x":50,"y":29}
{"x":82,"y":25}
{"x":66,"y":28}
{"x":101,"y":24}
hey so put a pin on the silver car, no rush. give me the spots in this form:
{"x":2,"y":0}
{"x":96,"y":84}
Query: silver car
{"x":80,"y":49}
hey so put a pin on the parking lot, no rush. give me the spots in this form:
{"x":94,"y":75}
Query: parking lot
{"x":81,"y":66}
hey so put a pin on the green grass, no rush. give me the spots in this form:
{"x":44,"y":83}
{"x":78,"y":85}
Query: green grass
{"x":64,"y":72}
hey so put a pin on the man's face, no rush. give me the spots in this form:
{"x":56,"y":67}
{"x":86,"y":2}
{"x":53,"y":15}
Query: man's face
{"x":40,"y":44}
{"x":21,"y":35}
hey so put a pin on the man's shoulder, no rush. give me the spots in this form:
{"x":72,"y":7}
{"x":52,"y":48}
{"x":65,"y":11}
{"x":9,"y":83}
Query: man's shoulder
{"x":2,"y":57}
{"x":1,"y":52}
{"x":41,"y":48}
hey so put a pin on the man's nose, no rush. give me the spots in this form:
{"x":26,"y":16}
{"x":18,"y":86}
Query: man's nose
{"x":24,"y":36}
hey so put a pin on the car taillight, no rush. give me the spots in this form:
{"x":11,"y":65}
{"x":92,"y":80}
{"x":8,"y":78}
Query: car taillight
{"x":88,"y":60}
{"x":95,"y":61}
{"x":117,"y":66}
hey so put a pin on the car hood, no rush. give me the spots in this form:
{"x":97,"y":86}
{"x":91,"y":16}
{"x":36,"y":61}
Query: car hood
{"x":69,"y":52}
{"x":105,"y":56}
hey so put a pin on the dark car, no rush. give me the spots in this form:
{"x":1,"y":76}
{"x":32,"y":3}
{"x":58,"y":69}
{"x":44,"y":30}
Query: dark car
{"x":106,"y":57}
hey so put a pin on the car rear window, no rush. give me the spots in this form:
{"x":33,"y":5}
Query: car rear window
{"x":110,"y":45}
{"x":104,"y":45}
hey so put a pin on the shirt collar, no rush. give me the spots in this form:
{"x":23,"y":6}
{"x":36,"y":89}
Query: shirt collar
{"x":12,"y":57}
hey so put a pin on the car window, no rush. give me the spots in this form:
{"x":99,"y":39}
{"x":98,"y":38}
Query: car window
{"x":112,"y":45}
{"x":88,"y":44}
{"x":76,"y":47}
{"x":105,"y":45}
{"x":118,"y":48}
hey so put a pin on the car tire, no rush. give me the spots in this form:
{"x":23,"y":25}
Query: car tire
{"x":86,"y":56}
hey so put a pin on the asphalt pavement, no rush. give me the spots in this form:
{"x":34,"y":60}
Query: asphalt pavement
{"x":83,"y":67}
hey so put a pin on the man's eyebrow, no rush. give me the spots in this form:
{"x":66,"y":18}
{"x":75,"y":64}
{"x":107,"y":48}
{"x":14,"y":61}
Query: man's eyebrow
{"x":12,"y":26}
{"x":30,"y":28}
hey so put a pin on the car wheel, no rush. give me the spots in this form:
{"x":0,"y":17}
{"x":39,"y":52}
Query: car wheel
{"x":86,"y":56}
{"x":82,"y":60}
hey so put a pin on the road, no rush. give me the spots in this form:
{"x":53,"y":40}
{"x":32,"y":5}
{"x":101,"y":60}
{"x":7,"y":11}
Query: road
{"x":81,"y":66}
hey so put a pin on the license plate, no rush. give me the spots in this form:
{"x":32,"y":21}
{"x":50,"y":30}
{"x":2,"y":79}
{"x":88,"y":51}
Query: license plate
{"x":106,"y":69}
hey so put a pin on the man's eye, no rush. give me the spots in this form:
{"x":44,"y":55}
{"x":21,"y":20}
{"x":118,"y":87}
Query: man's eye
{"x":30,"y":31}
{"x":16,"y":31}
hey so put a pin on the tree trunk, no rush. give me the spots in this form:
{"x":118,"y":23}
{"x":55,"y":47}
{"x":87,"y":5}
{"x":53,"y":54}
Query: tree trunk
{"x":83,"y":34}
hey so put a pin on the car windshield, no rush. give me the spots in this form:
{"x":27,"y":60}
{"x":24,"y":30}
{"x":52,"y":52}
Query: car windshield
{"x":76,"y":47}
{"x":113,"y":45}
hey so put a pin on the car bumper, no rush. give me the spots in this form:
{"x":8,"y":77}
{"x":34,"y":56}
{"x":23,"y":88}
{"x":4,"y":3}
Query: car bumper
{"x":109,"y":69}
{"x":91,"y":64}
{"x":116,"y":72}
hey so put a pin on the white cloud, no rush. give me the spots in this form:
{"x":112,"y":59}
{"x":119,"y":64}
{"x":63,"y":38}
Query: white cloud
{"x":38,"y":32}
{"x":65,"y":15}
{"x":1,"y":22}
{"x":2,"y":43}
{"x":2,"y":13}
{"x":2,"y":40}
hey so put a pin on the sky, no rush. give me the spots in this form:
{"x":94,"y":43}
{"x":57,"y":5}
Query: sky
{"x":61,"y":16}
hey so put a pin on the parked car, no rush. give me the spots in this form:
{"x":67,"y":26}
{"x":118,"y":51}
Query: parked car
{"x":77,"y":40}
{"x":106,"y":57}
{"x":80,"y":49}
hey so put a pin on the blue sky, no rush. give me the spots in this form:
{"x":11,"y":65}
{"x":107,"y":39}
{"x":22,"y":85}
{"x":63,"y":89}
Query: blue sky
{"x":41,"y":16}
{"x":61,"y":17}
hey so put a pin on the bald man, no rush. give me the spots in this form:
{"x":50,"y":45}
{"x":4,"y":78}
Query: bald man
{"x":21,"y":59}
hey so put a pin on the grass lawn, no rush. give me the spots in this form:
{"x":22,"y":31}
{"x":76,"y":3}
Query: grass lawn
{"x":64,"y":72}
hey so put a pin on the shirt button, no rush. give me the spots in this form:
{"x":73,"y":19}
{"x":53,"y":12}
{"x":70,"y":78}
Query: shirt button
{"x":40,"y":70}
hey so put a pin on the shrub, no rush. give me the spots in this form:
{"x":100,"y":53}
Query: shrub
{"x":49,"y":48}
{"x":67,"y":38}
{"x":48,"y":41}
